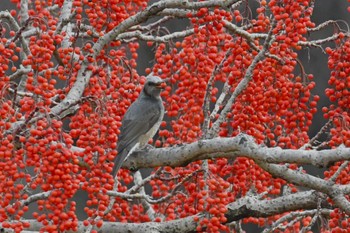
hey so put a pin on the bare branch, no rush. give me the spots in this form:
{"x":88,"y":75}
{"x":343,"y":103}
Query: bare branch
{"x":84,"y":28}
{"x":160,"y":39}
{"x":248,"y":206}
{"x":340,"y":169}
{"x":16,"y":27}
{"x":248,"y":36}
{"x":222,"y":100}
{"x":179,"y":13}
{"x":241,"y":145}
{"x":326,"y":24}
{"x":66,"y":15}
{"x":209,"y":88}
{"x":31,"y":32}
{"x":317,"y":43}
{"x":53,"y":8}
{"x":147,"y":207}
{"x":19,"y":73}
{"x":152,"y":25}
{"x":288,"y":217}
{"x":36,"y":197}
{"x":139,"y":184}
{"x":150,"y":200}
{"x":24,"y":11}
{"x":324,"y":128}
{"x":305,"y":180}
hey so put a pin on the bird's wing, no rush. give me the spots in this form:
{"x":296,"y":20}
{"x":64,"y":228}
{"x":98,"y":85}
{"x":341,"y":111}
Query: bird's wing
{"x":137,"y":121}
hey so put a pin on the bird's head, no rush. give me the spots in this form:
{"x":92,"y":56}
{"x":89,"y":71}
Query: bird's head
{"x":154,"y":86}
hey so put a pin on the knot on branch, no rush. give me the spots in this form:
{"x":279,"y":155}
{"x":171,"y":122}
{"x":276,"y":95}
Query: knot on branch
{"x":245,"y":139}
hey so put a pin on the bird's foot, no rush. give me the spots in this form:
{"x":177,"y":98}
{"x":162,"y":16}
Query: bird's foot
{"x":147,"y":147}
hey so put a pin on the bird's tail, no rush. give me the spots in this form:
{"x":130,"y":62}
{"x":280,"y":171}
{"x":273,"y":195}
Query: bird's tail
{"x":118,"y":161}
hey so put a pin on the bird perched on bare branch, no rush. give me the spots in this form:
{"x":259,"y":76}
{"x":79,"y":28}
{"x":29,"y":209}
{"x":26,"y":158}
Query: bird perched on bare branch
{"x":141,"y":121}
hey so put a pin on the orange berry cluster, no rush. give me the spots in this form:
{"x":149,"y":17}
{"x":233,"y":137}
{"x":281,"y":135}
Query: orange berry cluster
{"x":338,"y":93}
{"x":338,"y":113}
{"x":107,"y":14}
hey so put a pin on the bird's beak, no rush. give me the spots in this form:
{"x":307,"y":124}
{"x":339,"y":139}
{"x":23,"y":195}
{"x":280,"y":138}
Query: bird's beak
{"x":161,"y":85}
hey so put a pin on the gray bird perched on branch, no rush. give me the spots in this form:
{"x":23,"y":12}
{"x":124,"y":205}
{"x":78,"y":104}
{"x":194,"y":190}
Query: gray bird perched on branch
{"x":141,"y":121}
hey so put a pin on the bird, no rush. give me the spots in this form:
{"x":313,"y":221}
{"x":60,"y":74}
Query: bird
{"x":141,"y":121}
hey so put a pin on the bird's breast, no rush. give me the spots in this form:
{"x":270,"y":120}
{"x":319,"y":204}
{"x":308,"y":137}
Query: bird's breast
{"x":150,"y":133}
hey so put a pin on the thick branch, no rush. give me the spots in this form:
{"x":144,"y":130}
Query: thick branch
{"x":24,"y":11}
{"x":244,"y":145}
{"x":241,"y":145}
{"x":181,"y":225}
{"x":248,"y":206}
{"x":312,"y":182}
{"x":65,"y":15}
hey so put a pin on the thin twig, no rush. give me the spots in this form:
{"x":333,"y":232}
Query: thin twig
{"x":324,"y":128}
{"x":206,"y":103}
{"x":339,"y":170}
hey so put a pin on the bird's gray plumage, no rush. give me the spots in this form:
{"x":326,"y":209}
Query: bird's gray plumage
{"x":141,"y":121}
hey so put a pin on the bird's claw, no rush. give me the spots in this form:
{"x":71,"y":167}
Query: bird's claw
{"x":148,"y":147}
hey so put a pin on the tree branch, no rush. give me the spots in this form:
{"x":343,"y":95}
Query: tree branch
{"x":317,"y":43}
{"x":248,"y":206}
{"x":19,"y":73}
{"x":292,"y":215}
{"x":161,"y":39}
{"x":242,"y":145}
{"x":248,"y":36}
{"x":305,"y":180}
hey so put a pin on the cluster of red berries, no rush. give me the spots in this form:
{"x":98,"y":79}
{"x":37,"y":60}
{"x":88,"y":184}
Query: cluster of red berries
{"x":338,"y":93}
{"x":338,"y":113}
{"x":105,"y":15}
